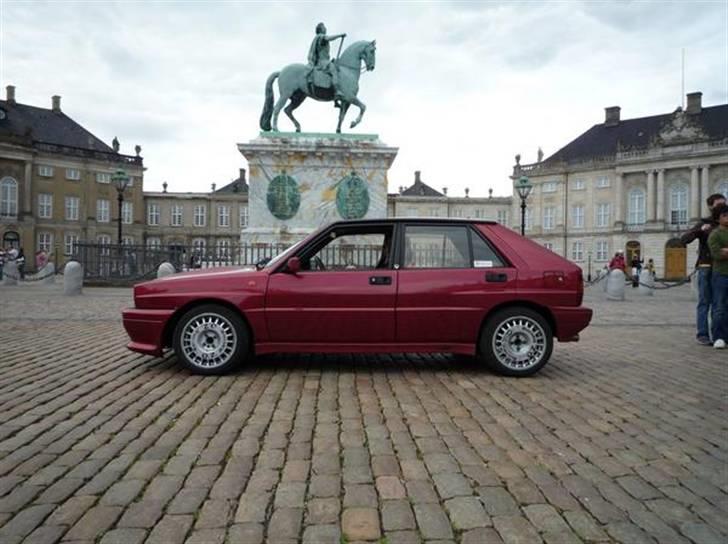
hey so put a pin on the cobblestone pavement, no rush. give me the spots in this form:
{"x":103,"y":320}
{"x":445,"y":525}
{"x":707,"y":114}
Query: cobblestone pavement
{"x":621,"y":438}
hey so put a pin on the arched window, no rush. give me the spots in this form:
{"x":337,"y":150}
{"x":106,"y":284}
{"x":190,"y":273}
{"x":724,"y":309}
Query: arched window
{"x":636,"y":207}
{"x":679,"y":204}
{"x":723,"y":188}
{"x":8,"y":197}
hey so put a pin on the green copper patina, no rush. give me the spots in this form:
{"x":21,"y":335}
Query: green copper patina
{"x":284,"y":197}
{"x":322,"y":79}
{"x":352,"y":197}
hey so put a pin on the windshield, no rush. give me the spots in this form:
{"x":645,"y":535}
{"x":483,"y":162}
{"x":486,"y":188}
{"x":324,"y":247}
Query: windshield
{"x":281,"y":256}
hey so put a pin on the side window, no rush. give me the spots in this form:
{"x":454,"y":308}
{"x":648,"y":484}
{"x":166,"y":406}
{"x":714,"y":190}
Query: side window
{"x":350,"y":250}
{"x":436,"y":246}
{"x":483,"y":255}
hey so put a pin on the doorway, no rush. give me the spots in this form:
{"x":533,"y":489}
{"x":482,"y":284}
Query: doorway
{"x":633,"y":249}
{"x":675,"y":259}
{"x":11,"y":239}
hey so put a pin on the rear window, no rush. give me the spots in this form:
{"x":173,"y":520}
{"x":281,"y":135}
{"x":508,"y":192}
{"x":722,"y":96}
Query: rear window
{"x":484,"y":256}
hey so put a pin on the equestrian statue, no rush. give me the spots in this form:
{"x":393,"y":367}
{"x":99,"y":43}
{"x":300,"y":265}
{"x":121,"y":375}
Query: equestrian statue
{"x":323,"y":79}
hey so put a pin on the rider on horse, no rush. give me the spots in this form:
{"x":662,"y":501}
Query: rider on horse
{"x":319,"y":57}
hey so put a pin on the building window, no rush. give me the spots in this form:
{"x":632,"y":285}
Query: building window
{"x":127,"y":240}
{"x":223,"y":249}
{"x":45,"y":241}
{"x":577,"y":251}
{"x":102,"y":211}
{"x":579,"y":185}
{"x":549,"y":246}
{"x":549,"y":218}
{"x":69,"y":243}
{"x":176,"y":218}
{"x":602,"y":217}
{"x":480,"y":213}
{"x":103,"y":177}
{"x":153,"y":214}
{"x":45,"y":171}
{"x":223,"y":216}
{"x":131,"y":181}
{"x":72,"y":204}
{"x":45,"y":205}
{"x":602,"y":181}
{"x":457,"y":212}
{"x":73,"y":174}
{"x":602,"y":250}
{"x":636,"y":207}
{"x":104,"y":240}
{"x":200,"y":216}
{"x":723,"y":188}
{"x":199,"y":245}
{"x":502,"y":217}
{"x":8,"y":197}
{"x":577,"y":217}
{"x":679,"y":205}
{"x":549,"y":187}
{"x":154,"y":243}
{"x":527,"y":222}
{"x":127,"y":213}
{"x":243,"y":216}
{"x":410,"y":212}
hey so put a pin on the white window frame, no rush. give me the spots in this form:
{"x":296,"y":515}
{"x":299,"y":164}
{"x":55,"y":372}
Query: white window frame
{"x":577,"y":217}
{"x":153,"y":214}
{"x":103,"y":210}
{"x":104,"y":240}
{"x":199,"y":215}
{"x":127,"y":240}
{"x":636,"y":207}
{"x":244,"y":217}
{"x":602,"y":250}
{"x":103,"y":177}
{"x":70,"y":239}
{"x":199,"y":244}
{"x":679,"y":204}
{"x":44,"y":241}
{"x":71,"y":206}
{"x":502,"y":217}
{"x":549,"y":246}
{"x":74,"y":174}
{"x":549,"y":187}
{"x":579,"y":185}
{"x":154,"y":242}
{"x":45,"y":171}
{"x":176,"y":215}
{"x":577,"y":251}
{"x":45,"y":205}
{"x":722,"y":188}
{"x":8,"y":197}
{"x":127,"y":212}
{"x":548,"y":221}
{"x":222,"y":248}
{"x":602,"y":216}
{"x":603,"y":181}
{"x":528,"y":220}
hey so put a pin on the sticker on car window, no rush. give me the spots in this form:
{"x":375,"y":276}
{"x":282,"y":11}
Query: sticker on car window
{"x":483,"y":264}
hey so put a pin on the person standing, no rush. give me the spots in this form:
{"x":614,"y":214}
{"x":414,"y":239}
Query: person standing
{"x":703,"y":266}
{"x":718,"y":245}
{"x":20,"y":261}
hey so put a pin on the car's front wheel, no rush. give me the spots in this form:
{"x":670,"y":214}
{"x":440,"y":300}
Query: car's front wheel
{"x":211,"y":339}
{"x":516,"y":341}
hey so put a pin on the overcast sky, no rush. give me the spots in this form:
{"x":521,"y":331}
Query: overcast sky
{"x":459,"y":87}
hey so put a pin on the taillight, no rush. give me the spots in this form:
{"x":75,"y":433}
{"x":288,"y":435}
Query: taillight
{"x":579,"y":287}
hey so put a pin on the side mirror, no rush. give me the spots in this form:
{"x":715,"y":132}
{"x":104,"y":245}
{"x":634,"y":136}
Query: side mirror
{"x":293,"y":265}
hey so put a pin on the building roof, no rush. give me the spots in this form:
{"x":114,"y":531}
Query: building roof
{"x":239,"y":185}
{"x":47,"y":126}
{"x":607,"y":139}
{"x":420,"y":188}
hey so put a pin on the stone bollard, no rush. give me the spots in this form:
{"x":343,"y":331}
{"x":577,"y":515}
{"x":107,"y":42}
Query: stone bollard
{"x":615,"y":285}
{"x":48,"y":273}
{"x":165,"y":269}
{"x":73,"y":278}
{"x":10,"y":273}
{"x":647,"y":282}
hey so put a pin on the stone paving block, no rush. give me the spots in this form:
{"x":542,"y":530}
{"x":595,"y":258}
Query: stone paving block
{"x":402,"y":537}
{"x":124,"y":536}
{"x":482,"y":535}
{"x":359,"y":523}
{"x":390,"y":487}
{"x":466,"y":513}
{"x":624,"y":531}
{"x":585,"y":526}
{"x":70,"y":511}
{"x":214,"y":513}
{"x":397,"y":515}
{"x":246,"y":533}
{"x":170,"y":530}
{"x":421,"y":491}
{"x":187,"y":501}
{"x":452,"y":485}
{"x":122,"y":493}
{"x":206,"y":536}
{"x":360,"y":495}
{"x":24,"y":522}
{"x":46,"y":534}
{"x":432,"y":521}
{"x":94,"y":523}
{"x":545,"y":518}
{"x":322,"y":534}
{"x":414,"y":469}
{"x":700,"y":533}
{"x":285,"y":523}
{"x":497,"y":501}
{"x":515,"y":529}
{"x":322,"y":511}
{"x":142,"y":514}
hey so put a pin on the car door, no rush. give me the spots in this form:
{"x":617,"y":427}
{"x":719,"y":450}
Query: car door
{"x":450,"y":276}
{"x":349,"y":298}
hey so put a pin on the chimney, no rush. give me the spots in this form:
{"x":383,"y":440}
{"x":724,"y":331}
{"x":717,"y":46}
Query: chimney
{"x":401,"y":189}
{"x":694,"y":103}
{"x":164,"y":187}
{"x":213,"y":187}
{"x":467,"y":193}
{"x":242,"y":175}
{"x":611,"y":117}
{"x":490,"y":192}
{"x":56,"y":101}
{"x":10,"y":94}
{"x":417,"y":176}
{"x":444,"y":191}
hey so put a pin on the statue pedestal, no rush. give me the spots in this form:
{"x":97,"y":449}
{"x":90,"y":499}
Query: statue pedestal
{"x":299,"y":182}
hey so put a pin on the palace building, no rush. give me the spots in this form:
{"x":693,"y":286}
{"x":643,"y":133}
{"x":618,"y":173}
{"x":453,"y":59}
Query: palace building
{"x":630,"y":184}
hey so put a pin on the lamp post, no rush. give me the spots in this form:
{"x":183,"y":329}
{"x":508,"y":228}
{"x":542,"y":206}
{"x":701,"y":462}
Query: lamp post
{"x":588,"y":275}
{"x":120,"y":179}
{"x":523,"y":188}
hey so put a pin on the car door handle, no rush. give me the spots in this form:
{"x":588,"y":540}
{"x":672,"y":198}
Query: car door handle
{"x":380,"y":280}
{"x":496,"y":277}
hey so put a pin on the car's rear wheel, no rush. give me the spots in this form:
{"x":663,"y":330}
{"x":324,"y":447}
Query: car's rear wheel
{"x":211,"y":339}
{"x":516,"y":341}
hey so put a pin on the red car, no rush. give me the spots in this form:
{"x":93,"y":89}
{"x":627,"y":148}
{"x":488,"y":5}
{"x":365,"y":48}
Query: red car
{"x":383,"y":286}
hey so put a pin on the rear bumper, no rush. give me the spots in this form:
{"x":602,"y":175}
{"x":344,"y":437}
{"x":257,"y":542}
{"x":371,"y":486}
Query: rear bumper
{"x":145,"y":329}
{"x":570,"y":321}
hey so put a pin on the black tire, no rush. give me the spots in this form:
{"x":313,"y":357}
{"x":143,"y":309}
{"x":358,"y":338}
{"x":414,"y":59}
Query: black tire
{"x":211,"y":339}
{"x":516,"y":341}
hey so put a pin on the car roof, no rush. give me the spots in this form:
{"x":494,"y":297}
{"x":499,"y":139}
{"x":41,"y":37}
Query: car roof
{"x":433,"y":220}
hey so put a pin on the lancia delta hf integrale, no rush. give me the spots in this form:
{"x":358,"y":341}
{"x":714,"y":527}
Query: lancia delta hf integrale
{"x":380,"y":286}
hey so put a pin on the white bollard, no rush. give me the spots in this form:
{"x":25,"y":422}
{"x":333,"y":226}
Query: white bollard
{"x":615,"y":285}
{"x":48,"y":273}
{"x":10,"y":273}
{"x":647,"y":282}
{"x":165,"y":269}
{"x":73,"y":278}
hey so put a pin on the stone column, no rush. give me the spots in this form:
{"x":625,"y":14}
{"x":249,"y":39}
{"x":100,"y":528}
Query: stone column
{"x":650,"y":195}
{"x":694,"y":194}
{"x":705,"y":185}
{"x":619,"y":200}
{"x":660,"y":216}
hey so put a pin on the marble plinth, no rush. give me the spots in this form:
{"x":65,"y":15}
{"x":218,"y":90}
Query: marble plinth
{"x":299,"y":182}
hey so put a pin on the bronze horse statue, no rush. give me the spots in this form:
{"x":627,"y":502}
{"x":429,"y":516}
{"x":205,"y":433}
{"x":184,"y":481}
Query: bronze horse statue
{"x":295,"y":84}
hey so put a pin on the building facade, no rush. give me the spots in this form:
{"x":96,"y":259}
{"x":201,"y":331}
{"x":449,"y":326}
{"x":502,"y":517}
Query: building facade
{"x":55,"y":183}
{"x":633,"y":185}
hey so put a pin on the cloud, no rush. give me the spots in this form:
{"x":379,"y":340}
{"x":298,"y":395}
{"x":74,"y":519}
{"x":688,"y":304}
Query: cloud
{"x":460,"y":87}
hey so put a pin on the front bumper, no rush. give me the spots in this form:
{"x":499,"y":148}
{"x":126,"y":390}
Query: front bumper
{"x":146,"y":329}
{"x":570,"y":321}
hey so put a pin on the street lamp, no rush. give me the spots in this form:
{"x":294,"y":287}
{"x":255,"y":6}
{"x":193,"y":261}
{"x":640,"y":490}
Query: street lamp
{"x":120,"y":179}
{"x":523,"y":188}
